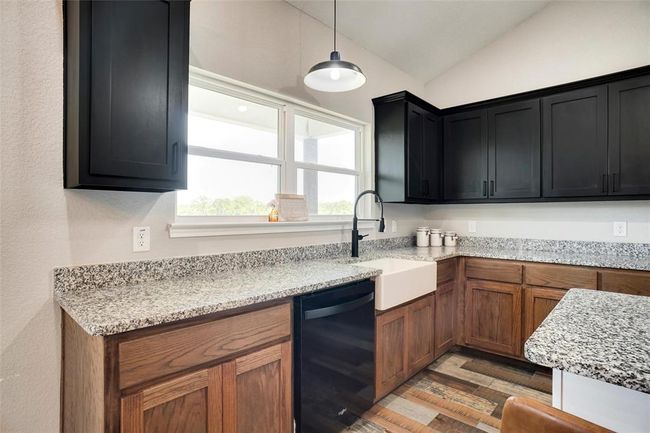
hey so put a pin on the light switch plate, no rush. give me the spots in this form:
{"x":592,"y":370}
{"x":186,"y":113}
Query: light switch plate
{"x":141,"y":239}
{"x":471,"y":226}
{"x":620,"y":228}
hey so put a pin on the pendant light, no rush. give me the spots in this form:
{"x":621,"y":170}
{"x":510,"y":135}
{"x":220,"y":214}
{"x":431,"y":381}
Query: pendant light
{"x":335,"y":75}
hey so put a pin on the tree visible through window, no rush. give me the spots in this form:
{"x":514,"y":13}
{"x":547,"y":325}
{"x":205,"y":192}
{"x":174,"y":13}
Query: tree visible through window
{"x":244,"y":148}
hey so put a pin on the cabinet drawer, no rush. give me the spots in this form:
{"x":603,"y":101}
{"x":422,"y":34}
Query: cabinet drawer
{"x":631,"y":283}
{"x":446,"y":270}
{"x":561,"y":277}
{"x":153,"y":356}
{"x":493,"y":270}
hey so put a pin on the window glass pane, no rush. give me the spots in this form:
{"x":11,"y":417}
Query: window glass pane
{"x":219,"y":121}
{"x":225,"y":187}
{"x":327,"y":193}
{"x":323,"y":143}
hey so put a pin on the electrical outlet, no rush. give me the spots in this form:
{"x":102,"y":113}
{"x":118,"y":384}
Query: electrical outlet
{"x":471,"y":226}
{"x":141,"y":239}
{"x":393,"y":226}
{"x":620,"y":228}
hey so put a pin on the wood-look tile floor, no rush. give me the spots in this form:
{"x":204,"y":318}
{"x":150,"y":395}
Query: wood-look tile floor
{"x":457,"y":393}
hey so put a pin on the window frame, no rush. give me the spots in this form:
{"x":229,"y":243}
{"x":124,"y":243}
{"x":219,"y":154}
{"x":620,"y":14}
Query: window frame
{"x":288,"y":167}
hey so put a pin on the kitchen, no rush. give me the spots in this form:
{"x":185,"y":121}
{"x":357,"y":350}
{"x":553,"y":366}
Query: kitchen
{"x":529,"y":230}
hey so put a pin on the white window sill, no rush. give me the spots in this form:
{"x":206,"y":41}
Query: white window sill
{"x":192,"y":230}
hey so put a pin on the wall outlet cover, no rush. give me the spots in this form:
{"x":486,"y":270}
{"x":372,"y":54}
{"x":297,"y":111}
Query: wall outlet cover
{"x":393,"y":226}
{"x":471,"y":226}
{"x":141,"y":239}
{"x":620,"y":228}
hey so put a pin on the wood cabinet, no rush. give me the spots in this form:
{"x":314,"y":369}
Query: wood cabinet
{"x":575,"y":143}
{"x":629,"y":136}
{"x":391,"y":357}
{"x":627,"y":282}
{"x":587,"y":139}
{"x":226,"y":373}
{"x":126,"y":75}
{"x":538,"y":303}
{"x":514,"y":150}
{"x":423,"y":154}
{"x":257,"y":392}
{"x":404,"y":343}
{"x":493,"y":316}
{"x":465,"y":150}
{"x":445,"y":316}
{"x":408,"y":149}
{"x":188,"y":404}
{"x":420,"y":334}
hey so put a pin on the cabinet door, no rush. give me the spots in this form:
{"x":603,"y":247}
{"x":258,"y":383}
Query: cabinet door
{"x":257,"y":392}
{"x":391,"y":351}
{"x":538,"y":303}
{"x":493,"y":316}
{"x":465,"y":156}
{"x":423,"y":154}
{"x":420,"y":333}
{"x":515,"y":150}
{"x":629,"y":136}
{"x":188,"y":404}
{"x":138,"y":94}
{"x":444,"y":317}
{"x":415,"y":188}
{"x":575,"y":143}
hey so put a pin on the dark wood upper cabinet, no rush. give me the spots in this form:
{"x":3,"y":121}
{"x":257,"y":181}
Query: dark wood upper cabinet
{"x":408,"y":149}
{"x":629,"y":136}
{"x":465,"y":150}
{"x":126,"y":76}
{"x":514,"y":150}
{"x":575,"y":143}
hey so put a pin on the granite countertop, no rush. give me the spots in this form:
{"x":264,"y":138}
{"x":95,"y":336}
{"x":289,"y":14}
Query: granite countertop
{"x":112,"y":310}
{"x":114,"y":298}
{"x":600,"y":335}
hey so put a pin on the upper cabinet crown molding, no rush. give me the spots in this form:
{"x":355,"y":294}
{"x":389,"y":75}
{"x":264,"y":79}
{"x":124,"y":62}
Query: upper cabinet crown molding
{"x":126,"y":90}
{"x":587,"y":140}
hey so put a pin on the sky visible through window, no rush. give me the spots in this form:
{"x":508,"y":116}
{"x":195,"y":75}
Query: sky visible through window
{"x":226,"y":187}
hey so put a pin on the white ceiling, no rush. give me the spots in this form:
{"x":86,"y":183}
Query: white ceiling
{"x":422,"y":38}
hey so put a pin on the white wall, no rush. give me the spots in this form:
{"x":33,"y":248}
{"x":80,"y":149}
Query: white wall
{"x":269,"y":44}
{"x":566,"y":41}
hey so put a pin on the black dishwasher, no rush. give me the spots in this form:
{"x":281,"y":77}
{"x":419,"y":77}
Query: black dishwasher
{"x":334,"y":357}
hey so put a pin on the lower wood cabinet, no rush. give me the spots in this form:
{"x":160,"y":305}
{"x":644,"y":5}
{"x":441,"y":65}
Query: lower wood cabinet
{"x":493,"y":316}
{"x":538,"y":303}
{"x":257,"y":392}
{"x":188,"y":404}
{"x":227,"y":373}
{"x":404,"y":343}
{"x":445,"y":314}
{"x":390,"y":352}
{"x":419,"y":334}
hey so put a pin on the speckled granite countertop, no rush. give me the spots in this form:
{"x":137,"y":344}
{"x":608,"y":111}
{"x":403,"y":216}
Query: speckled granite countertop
{"x":600,"y":335}
{"x":108,"y":299}
{"x":112,"y":310}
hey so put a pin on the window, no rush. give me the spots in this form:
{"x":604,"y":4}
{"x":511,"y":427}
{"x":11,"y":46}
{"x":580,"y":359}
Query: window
{"x":245,"y":146}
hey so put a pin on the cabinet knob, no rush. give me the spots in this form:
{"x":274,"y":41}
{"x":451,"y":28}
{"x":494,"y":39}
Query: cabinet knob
{"x":484,"y":188}
{"x":491,"y":188}
{"x":175,"y":158}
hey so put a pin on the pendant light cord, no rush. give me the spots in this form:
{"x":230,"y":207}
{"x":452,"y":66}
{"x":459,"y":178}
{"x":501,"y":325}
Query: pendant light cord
{"x":334,"y":25}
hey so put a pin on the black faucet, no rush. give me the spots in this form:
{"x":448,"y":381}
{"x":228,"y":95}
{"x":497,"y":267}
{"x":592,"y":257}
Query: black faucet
{"x":356,"y":237}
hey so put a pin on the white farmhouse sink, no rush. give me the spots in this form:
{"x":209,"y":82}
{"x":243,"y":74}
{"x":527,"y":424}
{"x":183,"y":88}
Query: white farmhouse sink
{"x":401,"y":280}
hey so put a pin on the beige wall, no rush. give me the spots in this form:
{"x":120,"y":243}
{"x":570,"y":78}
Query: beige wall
{"x":566,"y":41}
{"x":269,"y":44}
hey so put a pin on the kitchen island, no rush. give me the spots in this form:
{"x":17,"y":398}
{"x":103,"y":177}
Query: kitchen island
{"x":598,"y":345}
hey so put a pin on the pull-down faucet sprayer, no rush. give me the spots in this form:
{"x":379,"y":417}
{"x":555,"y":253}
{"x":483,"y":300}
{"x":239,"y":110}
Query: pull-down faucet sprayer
{"x":356,"y":237}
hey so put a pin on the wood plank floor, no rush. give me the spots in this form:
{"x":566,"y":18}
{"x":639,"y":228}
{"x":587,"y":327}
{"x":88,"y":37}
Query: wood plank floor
{"x":459,"y":393}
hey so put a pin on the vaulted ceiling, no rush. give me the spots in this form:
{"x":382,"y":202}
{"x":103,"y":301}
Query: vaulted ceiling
{"x":423,"y":38}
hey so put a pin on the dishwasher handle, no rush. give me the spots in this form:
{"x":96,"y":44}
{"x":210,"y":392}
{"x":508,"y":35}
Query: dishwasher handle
{"x":319,"y":313}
